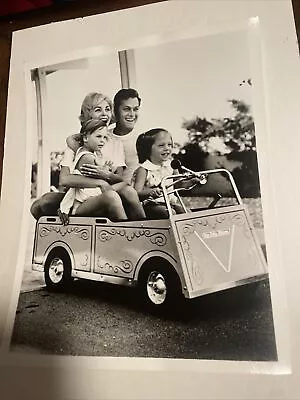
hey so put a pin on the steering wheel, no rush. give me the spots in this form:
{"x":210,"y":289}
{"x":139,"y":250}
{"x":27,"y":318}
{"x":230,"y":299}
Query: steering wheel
{"x":183,"y":189}
{"x":174,"y":191}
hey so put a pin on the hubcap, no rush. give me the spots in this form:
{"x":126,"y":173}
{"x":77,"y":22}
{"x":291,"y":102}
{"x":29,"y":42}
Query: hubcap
{"x":56,"y":270}
{"x":156,"y":288}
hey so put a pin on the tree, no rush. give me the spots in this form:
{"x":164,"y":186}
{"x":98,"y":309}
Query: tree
{"x":198,"y":130}
{"x":230,"y":136}
{"x":237,"y":133}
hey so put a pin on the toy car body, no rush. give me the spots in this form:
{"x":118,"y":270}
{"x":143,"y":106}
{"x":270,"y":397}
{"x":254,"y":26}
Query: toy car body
{"x":202,"y":250}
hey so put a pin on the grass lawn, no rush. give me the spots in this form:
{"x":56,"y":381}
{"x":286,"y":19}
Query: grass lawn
{"x":253,"y":206}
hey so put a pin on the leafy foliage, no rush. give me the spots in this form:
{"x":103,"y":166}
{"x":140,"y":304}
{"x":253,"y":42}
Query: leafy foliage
{"x":231,"y":136}
{"x":236,"y":133}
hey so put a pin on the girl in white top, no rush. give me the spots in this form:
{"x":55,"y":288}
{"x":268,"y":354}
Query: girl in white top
{"x":154,"y":149}
{"x":94,"y":137}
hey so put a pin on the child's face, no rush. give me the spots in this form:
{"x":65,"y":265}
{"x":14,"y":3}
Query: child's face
{"x":96,"y":140}
{"x":162,"y":148}
{"x":102,"y":111}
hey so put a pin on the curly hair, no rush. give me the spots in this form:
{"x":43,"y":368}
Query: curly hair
{"x":90,"y":101}
{"x":145,"y":142}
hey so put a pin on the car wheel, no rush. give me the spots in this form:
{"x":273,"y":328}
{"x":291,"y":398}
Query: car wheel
{"x":57,"y":270}
{"x":159,"y":286}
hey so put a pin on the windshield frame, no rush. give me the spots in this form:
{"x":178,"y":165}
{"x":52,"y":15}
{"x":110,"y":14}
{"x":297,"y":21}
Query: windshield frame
{"x":196,"y":174}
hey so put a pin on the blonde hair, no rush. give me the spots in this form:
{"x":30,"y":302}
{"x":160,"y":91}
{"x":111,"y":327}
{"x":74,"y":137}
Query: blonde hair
{"x":90,"y":101}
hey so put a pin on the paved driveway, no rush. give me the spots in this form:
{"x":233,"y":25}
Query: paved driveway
{"x":95,"y":319}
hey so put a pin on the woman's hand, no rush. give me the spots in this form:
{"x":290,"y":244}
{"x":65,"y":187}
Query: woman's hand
{"x":94,"y":171}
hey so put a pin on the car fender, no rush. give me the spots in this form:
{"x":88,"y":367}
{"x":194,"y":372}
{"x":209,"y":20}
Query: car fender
{"x":165,"y":256}
{"x":64,"y":246}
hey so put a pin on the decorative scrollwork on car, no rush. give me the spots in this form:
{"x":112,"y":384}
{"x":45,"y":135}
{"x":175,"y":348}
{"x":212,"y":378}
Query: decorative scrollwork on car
{"x":197,"y":273}
{"x":220,"y":218}
{"x":238,"y":219}
{"x":125,"y":266}
{"x":104,"y":236}
{"x":157,"y":238}
{"x":85,"y":260}
{"x":192,"y":264}
{"x":203,"y":222}
{"x":83,"y":233}
{"x":187,"y":230}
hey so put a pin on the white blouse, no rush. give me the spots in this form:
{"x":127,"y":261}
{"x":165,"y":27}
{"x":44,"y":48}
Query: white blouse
{"x":156,"y":173}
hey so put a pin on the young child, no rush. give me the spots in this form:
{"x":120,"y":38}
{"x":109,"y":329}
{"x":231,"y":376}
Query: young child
{"x":94,"y":136}
{"x":154,"y":150}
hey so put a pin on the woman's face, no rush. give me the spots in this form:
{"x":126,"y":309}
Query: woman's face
{"x":162,"y":148}
{"x":102,"y":111}
{"x":96,"y":140}
{"x":128,"y":113}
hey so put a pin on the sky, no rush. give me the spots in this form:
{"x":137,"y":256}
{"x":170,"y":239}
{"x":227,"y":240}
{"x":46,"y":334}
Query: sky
{"x":176,"y":81}
{"x":192,"y":77}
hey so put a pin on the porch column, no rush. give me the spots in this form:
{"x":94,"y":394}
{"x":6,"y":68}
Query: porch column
{"x":127,"y":69}
{"x":43,"y":159}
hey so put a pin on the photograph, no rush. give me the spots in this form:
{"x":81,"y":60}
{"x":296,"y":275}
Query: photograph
{"x":146,"y":231}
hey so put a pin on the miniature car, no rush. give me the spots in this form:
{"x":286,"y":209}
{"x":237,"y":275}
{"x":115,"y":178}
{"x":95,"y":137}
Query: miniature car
{"x":209,"y":247}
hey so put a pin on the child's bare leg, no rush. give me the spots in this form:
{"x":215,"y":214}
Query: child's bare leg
{"x":108,"y":204}
{"x":178,"y":208}
{"x":119,"y":186}
{"x":132,"y":204}
{"x":105,"y":186}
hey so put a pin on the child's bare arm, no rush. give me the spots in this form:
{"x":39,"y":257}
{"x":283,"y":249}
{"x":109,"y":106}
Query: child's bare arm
{"x":87,"y":158}
{"x":139,"y":185}
{"x":119,"y":171}
{"x":78,"y":181}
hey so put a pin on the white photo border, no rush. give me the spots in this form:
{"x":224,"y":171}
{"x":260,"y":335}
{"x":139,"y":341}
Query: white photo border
{"x":252,"y":30}
{"x":263,"y":136}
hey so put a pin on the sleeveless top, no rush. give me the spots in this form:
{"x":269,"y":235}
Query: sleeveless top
{"x":76,"y":196}
{"x":155,"y":175}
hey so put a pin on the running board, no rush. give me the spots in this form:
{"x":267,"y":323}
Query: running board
{"x":104,"y":278}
